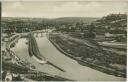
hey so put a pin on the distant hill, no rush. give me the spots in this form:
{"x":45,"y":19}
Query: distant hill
{"x":87,"y":20}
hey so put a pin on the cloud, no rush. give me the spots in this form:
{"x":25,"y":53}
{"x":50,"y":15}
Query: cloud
{"x":16,"y":4}
{"x":68,"y":7}
{"x":92,"y":8}
{"x":63,"y":9}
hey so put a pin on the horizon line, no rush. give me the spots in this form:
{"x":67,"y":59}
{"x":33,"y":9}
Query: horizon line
{"x":45,"y":17}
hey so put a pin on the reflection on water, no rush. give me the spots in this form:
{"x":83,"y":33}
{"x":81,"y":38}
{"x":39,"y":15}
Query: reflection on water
{"x":74,"y":70}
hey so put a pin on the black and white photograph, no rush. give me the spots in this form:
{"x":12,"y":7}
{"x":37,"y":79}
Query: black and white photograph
{"x":64,"y":40}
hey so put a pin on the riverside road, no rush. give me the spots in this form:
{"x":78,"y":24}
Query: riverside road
{"x":74,"y":70}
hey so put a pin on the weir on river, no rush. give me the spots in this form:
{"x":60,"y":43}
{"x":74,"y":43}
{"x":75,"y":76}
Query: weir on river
{"x":34,"y":51}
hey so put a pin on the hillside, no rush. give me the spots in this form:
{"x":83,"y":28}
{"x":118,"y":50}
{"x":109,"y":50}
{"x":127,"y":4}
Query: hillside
{"x":113,"y":23}
{"x":18,"y":24}
{"x":57,"y":20}
{"x":76,"y":19}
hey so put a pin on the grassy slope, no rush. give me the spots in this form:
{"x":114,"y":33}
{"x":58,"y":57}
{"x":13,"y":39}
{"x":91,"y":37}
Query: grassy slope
{"x":86,"y":51}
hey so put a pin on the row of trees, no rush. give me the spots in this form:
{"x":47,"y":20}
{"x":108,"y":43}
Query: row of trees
{"x":10,"y":25}
{"x":114,"y":23}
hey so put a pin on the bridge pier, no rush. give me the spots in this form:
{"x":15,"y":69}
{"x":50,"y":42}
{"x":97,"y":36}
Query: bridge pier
{"x":38,"y":34}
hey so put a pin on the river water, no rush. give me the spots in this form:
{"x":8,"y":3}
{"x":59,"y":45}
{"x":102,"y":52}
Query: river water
{"x":74,"y":70}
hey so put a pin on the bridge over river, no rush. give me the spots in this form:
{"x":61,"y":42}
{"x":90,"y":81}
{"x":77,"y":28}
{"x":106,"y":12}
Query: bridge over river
{"x":73,"y":70}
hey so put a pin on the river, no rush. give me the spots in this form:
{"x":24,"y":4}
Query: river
{"x":74,"y":70}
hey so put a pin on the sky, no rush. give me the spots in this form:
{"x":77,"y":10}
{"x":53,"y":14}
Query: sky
{"x":56,"y":9}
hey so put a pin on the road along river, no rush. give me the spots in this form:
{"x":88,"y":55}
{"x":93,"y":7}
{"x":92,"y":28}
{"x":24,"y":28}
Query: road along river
{"x":73,"y":70}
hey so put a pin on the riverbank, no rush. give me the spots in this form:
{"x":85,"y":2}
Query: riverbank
{"x":34,"y":51}
{"x":24,"y":68}
{"x":74,"y":70}
{"x":79,"y":59}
